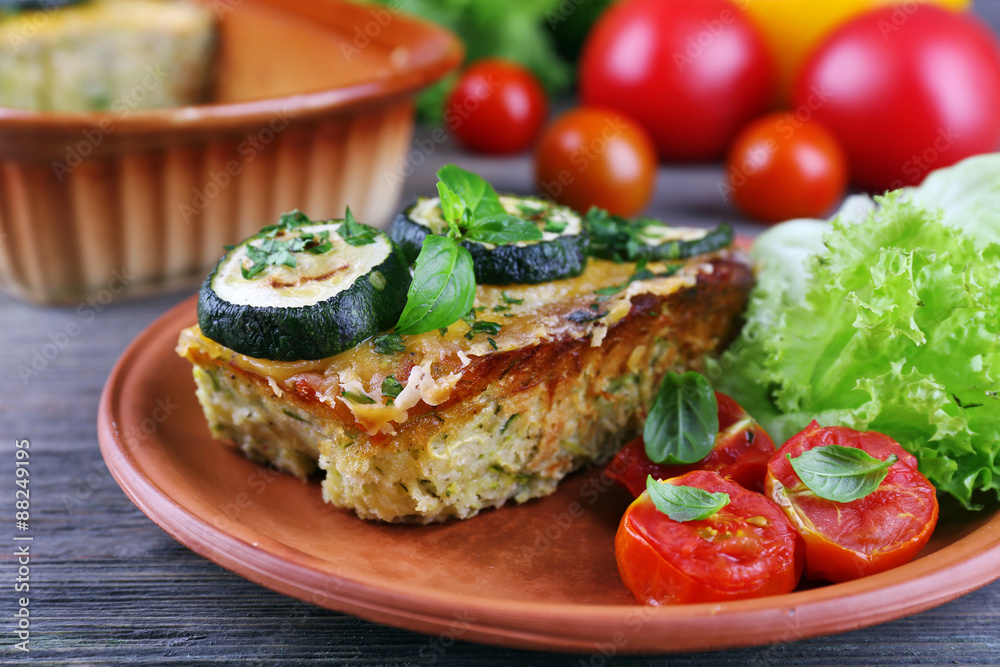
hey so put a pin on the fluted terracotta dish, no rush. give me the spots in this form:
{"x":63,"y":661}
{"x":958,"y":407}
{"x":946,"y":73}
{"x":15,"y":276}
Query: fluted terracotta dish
{"x":312,"y":109}
{"x":540,"y":575}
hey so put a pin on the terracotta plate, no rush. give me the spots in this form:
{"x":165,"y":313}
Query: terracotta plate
{"x":540,"y":575}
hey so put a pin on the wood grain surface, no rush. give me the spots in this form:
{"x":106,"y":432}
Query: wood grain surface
{"x":109,"y":587}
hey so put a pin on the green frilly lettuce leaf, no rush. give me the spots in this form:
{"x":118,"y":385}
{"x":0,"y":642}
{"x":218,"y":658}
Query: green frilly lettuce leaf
{"x":893,"y":326}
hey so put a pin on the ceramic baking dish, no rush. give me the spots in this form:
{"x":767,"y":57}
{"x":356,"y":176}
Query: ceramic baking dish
{"x":312,"y":109}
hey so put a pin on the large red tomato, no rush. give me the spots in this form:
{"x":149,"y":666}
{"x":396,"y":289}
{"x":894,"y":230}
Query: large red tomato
{"x":906,"y":89}
{"x":693,"y":73}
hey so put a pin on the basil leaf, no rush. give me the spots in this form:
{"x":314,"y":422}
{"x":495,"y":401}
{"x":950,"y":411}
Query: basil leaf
{"x":684,"y":420}
{"x":502,"y":229}
{"x":840,"y":474}
{"x":443,"y":287}
{"x":452,"y":207}
{"x":477,"y":195}
{"x":685,"y":503}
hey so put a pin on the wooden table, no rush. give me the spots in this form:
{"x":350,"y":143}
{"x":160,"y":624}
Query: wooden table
{"x":109,"y":587}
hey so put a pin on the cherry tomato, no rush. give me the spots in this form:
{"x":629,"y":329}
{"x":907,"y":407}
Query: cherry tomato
{"x":742,"y":450}
{"x":794,"y":28}
{"x":846,"y":541}
{"x":906,"y":90}
{"x":780,"y":167}
{"x":496,"y":107}
{"x":693,"y":73}
{"x":596,"y":157}
{"x":747,"y":549}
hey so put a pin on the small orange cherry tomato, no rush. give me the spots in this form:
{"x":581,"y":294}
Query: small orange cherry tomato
{"x":597,"y":157}
{"x":781,"y":167}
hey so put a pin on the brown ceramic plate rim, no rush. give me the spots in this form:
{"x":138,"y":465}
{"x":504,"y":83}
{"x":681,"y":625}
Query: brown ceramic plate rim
{"x":958,"y":568}
{"x":439,"y":52}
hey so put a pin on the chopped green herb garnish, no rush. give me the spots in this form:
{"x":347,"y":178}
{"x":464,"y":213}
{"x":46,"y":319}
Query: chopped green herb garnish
{"x":276,"y":251}
{"x":391,"y":387}
{"x":360,"y":399}
{"x":492,"y":343}
{"x":354,"y":233}
{"x":389,"y":344}
{"x":555,"y":226}
{"x":582,"y":316}
{"x":483,"y":326}
{"x":509,"y":300}
{"x":510,"y":420}
{"x":294,"y":416}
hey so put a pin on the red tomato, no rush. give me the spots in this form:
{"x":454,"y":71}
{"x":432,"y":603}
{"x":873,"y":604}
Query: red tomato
{"x":596,"y":157}
{"x":496,"y":107}
{"x":742,"y":450}
{"x":747,"y":549}
{"x":846,"y":541}
{"x":693,"y":73}
{"x":780,"y":167}
{"x":906,"y":89}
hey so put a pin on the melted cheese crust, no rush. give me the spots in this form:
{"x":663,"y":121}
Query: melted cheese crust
{"x":527,"y":314}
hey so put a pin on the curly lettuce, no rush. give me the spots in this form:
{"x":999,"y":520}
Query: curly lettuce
{"x":893,"y":325}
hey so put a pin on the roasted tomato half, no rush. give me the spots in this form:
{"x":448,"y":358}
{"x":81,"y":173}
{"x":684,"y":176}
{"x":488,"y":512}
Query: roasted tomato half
{"x":846,"y":541}
{"x":747,"y":549}
{"x":742,"y":450}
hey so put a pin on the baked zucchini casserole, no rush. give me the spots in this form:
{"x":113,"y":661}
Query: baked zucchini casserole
{"x":550,"y":369}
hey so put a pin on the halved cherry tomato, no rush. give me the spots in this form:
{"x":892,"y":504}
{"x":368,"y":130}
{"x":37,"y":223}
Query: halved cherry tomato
{"x":742,"y":450}
{"x":496,"y":107}
{"x":747,"y":549}
{"x":596,"y":157}
{"x":846,"y":541}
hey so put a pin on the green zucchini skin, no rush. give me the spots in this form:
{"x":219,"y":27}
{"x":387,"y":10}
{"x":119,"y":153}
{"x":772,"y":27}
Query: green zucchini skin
{"x":529,"y":264}
{"x":316,"y":331}
{"x":615,"y":238}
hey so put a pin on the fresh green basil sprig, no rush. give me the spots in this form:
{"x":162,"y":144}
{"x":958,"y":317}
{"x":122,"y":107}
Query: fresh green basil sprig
{"x":444,"y":282}
{"x":685,"y":503}
{"x":840,"y":474}
{"x":684,"y":420}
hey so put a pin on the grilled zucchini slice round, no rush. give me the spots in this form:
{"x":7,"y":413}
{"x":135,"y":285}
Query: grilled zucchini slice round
{"x":615,"y":238}
{"x":562,"y":252}
{"x":304,"y":290}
